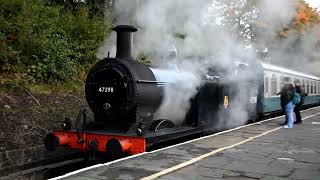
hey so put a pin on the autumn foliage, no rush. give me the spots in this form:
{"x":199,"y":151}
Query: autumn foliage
{"x":305,"y":20}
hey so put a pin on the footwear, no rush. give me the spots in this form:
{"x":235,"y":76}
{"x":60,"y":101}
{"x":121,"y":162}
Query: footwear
{"x":298,"y":122}
{"x":286,"y":127}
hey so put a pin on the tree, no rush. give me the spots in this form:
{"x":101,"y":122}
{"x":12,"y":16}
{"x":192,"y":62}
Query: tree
{"x":304,"y":21}
{"x":294,"y":41}
{"x":96,"y":7}
{"x":239,"y":17}
{"x":285,"y":32}
{"x":43,"y":42}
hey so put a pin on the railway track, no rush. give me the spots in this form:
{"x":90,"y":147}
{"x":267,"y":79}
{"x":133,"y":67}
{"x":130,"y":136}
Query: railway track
{"x":50,"y":168}
{"x":49,"y":171}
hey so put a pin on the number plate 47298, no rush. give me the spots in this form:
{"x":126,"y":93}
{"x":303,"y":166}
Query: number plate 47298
{"x":106,"y":89}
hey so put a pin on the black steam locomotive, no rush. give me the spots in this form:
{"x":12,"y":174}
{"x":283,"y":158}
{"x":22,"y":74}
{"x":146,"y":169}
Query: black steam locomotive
{"x":124,"y":95}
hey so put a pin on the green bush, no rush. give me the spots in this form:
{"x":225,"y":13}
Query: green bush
{"x":46,"y":42}
{"x":144,"y":58}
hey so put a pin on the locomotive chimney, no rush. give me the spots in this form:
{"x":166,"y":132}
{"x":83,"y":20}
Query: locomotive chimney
{"x":124,"y":41}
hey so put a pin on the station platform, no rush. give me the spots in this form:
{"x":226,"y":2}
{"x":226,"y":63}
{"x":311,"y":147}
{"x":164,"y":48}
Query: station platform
{"x":263,"y":150}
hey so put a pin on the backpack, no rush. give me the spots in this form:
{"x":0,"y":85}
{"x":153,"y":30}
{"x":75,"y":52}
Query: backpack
{"x":296,"y":98}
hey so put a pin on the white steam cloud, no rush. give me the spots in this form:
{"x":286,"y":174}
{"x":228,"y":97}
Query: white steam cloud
{"x":296,"y":51}
{"x":197,"y":30}
{"x":177,"y":95}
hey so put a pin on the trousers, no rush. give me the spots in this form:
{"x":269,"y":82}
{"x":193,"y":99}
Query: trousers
{"x":289,"y":114}
{"x":297,"y":110}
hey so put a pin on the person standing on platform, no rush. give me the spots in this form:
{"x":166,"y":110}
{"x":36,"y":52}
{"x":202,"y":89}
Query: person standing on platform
{"x":298,"y":89}
{"x":286,"y":97}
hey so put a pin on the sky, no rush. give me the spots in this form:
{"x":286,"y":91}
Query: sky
{"x":314,"y":3}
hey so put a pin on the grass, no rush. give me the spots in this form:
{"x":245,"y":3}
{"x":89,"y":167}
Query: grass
{"x":67,"y":87}
{"x":43,"y":88}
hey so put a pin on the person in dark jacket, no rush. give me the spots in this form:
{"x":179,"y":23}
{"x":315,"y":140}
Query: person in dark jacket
{"x":286,"y":97}
{"x":282,"y":98}
{"x":298,"y":89}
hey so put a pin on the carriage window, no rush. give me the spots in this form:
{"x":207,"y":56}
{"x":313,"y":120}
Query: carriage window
{"x":274,"y":82}
{"x":303,"y":84}
{"x":311,"y":87}
{"x":307,"y":85}
{"x":266,"y":86}
{"x":281,"y":81}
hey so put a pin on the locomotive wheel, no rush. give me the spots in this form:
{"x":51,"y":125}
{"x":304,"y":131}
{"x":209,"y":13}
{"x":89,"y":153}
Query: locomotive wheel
{"x":51,"y":142}
{"x":114,"y":148}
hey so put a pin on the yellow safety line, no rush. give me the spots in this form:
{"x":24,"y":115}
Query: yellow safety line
{"x":187,"y":163}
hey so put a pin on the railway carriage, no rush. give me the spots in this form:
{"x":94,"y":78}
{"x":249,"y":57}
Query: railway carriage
{"x":274,"y":80}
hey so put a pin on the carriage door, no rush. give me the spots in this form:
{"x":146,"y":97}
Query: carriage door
{"x":250,"y":91}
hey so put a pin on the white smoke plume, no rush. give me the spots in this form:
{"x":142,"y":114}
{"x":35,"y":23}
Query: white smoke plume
{"x":194,"y":27}
{"x":205,"y":43}
{"x":177,"y":95}
{"x":296,"y":51}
